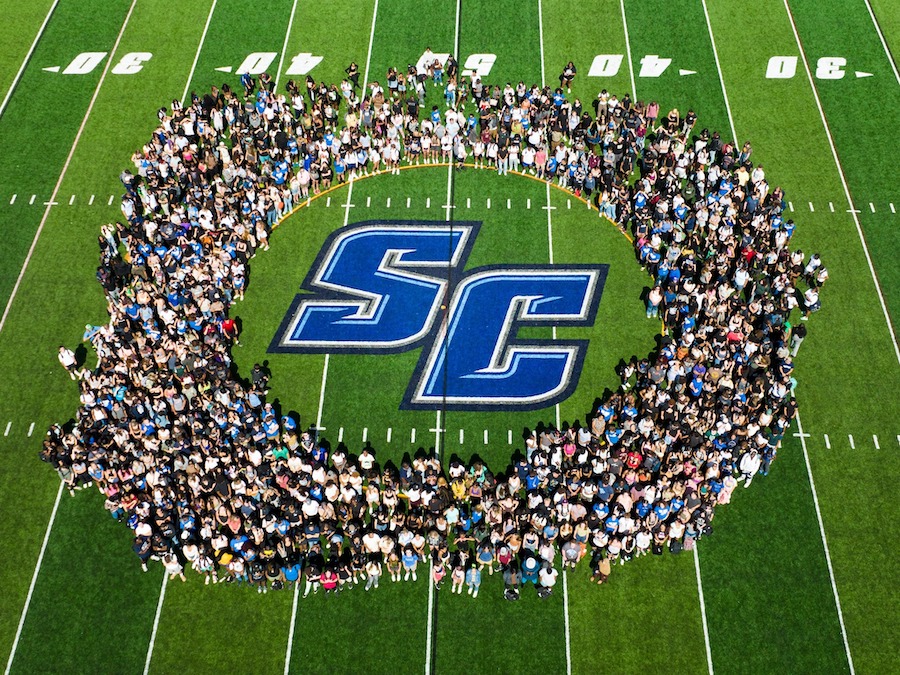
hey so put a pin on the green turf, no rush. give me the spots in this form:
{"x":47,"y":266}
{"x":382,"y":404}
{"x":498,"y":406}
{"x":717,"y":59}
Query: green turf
{"x":21,"y":23}
{"x":769,"y":601}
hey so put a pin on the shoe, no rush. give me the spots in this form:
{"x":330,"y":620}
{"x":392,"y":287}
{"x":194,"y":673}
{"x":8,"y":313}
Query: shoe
{"x":415,"y":578}
{"x":475,"y":594}
{"x":470,"y":590}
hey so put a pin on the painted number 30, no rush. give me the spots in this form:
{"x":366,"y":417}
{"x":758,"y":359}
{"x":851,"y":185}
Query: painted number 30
{"x":378,"y":287}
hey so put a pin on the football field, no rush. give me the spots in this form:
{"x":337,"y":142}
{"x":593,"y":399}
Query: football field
{"x":800,"y":574}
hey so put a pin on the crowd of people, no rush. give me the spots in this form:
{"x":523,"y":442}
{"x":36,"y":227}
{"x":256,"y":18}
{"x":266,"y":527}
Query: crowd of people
{"x":209,"y":475}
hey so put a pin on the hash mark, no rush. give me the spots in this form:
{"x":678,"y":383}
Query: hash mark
{"x":468,"y":203}
{"x":509,"y":437}
{"x":13,"y":200}
{"x":831,"y":206}
{"x":408,"y":201}
{"x":791,"y":206}
{"x":412,"y":435}
{"x":568,"y":203}
{"x":489,"y":202}
{"x":852,"y":444}
{"x":875,"y":440}
{"x":31,"y":201}
{"x":827,"y":442}
{"x":388,"y":205}
{"x":390,"y":431}
{"x":71,"y":200}
{"x":509,"y":203}
{"x":31,"y":430}
{"x":528,"y":203}
{"x":91,"y":202}
{"x":461,"y":436}
{"x":327,"y":201}
{"x":8,"y":425}
{"x":341,"y":435}
{"x":893,"y":210}
{"x":369,"y":201}
{"x":485,"y":437}
{"x":365,"y":434}
{"x":427,"y":202}
{"x":111,"y":199}
{"x":812,"y":209}
{"x":872,"y":206}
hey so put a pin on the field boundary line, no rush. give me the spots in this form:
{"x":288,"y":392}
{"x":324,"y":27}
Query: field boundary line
{"x":834,"y":589}
{"x":709,"y":661}
{"x":628,"y":51}
{"x":34,"y":577}
{"x":887,"y":50}
{"x":199,"y":49}
{"x":840,"y":168}
{"x":37,"y":38}
{"x":712,"y":40}
{"x":153,"y":632}
{"x":287,"y":37}
{"x":62,"y":175}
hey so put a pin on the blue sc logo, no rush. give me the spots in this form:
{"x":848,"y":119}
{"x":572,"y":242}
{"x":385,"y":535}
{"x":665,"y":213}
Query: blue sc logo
{"x":380,"y":287}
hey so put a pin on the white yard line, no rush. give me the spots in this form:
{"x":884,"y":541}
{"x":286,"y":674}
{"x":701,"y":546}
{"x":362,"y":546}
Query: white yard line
{"x":715,"y":51}
{"x":347,"y":206}
{"x":37,"y":570}
{"x":284,"y":47}
{"x":840,"y":169}
{"x":62,"y":174}
{"x":815,"y":496}
{"x":37,"y":38}
{"x":709,"y":661}
{"x":628,"y":51}
{"x":558,"y":423}
{"x":566,"y":616}
{"x":290,"y":643}
{"x":12,"y":296}
{"x":887,"y":51}
{"x":159,"y":606}
{"x":197,"y":54}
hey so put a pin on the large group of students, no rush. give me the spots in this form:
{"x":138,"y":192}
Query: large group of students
{"x":210,"y":476}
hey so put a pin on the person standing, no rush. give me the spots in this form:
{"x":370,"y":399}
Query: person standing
{"x":798,"y":334}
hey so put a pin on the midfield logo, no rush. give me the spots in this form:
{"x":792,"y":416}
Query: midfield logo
{"x":381,"y":287}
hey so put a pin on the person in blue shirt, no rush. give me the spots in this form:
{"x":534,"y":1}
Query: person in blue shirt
{"x":473,"y":579}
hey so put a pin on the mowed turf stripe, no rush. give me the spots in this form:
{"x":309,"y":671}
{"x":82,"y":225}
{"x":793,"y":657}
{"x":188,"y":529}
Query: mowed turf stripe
{"x":571,"y":35}
{"x":362,"y":396}
{"x":848,"y":339}
{"x":887,"y":14}
{"x":41,"y":119}
{"x":36,"y":326}
{"x":20,"y":30}
{"x":363,"y":392}
{"x":190,"y":630}
{"x":676,"y":31}
{"x":648,"y":592}
{"x":27,"y":483}
{"x":860,"y":111}
{"x":527,"y":636}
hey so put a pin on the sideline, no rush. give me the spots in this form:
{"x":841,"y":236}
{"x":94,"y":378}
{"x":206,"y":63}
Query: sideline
{"x":709,"y":661}
{"x":159,"y":606}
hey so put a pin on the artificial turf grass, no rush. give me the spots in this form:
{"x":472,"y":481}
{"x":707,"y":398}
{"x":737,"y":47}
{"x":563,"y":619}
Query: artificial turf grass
{"x":810,"y":344}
